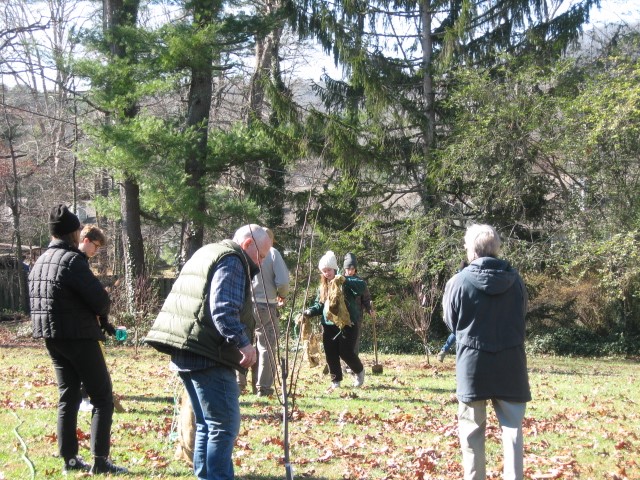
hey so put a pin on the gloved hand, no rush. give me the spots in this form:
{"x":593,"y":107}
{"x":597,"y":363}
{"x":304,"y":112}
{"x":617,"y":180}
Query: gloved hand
{"x":108,"y":328}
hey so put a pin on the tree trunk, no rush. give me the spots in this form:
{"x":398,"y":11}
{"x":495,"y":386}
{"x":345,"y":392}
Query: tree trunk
{"x":267,"y":66}
{"x":118,"y":13}
{"x":198,"y":116}
{"x":14,"y":205}
{"x":266,"y":59}
{"x":429,"y":99}
{"x":199,"y":107}
{"x":133,"y":247}
{"x":427,"y":82}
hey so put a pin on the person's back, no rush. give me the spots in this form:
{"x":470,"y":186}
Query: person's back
{"x":69,"y":308}
{"x":65,"y":296}
{"x":273,"y":279}
{"x":485,"y":306}
{"x":490,"y":301}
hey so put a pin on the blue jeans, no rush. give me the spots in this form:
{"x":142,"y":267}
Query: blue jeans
{"x":214,"y":394}
{"x":451,"y":339}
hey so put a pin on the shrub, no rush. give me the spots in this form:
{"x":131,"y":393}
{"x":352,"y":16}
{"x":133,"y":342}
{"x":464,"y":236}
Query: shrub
{"x":148,"y":303}
{"x":559,"y":303}
{"x":583,"y":342}
{"x":598,"y":289}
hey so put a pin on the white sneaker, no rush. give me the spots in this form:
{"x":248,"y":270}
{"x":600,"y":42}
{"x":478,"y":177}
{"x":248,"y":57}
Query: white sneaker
{"x":85,"y":405}
{"x":441,"y":356}
{"x":335,"y":384}
{"x":358,"y":379}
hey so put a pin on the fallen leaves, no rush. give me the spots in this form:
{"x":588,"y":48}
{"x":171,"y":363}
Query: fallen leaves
{"x":402,"y":426}
{"x":541,"y":467}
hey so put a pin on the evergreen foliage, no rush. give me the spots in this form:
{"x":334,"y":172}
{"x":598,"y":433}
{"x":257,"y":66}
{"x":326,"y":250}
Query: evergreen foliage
{"x":449,"y":113}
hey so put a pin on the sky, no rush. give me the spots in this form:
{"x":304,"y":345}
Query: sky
{"x":616,"y":11}
{"x":610,"y":11}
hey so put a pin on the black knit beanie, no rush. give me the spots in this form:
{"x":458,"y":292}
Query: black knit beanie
{"x":350,"y":261}
{"x":62,"y":221}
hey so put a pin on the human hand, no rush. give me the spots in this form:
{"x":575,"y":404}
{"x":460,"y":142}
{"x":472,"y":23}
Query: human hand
{"x":249,"y":356}
{"x":280,"y":301}
{"x":108,"y":328}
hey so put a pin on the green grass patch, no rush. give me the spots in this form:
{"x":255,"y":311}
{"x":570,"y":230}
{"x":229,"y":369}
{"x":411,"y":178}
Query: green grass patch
{"x":583,"y":421}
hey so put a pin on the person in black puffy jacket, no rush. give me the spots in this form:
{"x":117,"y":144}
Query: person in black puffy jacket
{"x":70,"y":309}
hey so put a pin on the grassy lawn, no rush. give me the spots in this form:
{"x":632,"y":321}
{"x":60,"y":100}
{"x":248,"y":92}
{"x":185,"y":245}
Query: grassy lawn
{"x":583,"y":422}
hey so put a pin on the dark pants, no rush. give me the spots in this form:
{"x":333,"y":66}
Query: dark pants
{"x":341,"y":345}
{"x":79,"y":362}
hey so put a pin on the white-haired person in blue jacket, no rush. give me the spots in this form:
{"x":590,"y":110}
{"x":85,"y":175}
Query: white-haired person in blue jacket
{"x":485,"y":306}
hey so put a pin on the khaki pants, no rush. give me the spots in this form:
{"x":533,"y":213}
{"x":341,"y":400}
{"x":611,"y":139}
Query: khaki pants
{"x":472,"y":422}
{"x":267,"y":332}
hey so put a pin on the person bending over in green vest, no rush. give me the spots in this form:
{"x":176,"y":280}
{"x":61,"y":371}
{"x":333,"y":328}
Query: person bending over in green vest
{"x":206,"y":324}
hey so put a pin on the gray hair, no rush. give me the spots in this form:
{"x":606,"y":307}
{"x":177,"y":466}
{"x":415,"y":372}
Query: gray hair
{"x":482,"y":240}
{"x":252,"y":230}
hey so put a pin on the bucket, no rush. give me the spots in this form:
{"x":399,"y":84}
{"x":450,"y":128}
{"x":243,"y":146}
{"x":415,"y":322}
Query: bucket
{"x":121,"y":334}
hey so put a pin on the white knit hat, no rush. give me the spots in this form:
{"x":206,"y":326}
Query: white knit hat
{"x":328,"y":261}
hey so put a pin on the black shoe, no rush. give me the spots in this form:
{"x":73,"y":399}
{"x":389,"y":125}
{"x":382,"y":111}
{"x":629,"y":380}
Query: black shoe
{"x":75,"y":464}
{"x":104,"y":465}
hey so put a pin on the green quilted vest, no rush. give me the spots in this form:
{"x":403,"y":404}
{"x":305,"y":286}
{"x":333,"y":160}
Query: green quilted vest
{"x":184,"y":322}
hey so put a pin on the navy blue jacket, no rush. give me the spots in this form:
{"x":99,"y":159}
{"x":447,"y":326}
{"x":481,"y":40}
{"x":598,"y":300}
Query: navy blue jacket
{"x":485,"y":306}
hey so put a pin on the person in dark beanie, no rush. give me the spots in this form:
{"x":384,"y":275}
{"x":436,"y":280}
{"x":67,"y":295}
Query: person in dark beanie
{"x":69,"y":309}
{"x":363,"y":302}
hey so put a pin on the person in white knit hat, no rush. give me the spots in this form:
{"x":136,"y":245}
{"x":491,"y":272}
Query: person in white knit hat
{"x":339,"y":340}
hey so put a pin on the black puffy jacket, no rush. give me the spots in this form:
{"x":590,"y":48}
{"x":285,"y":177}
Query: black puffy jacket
{"x":66,"y":297}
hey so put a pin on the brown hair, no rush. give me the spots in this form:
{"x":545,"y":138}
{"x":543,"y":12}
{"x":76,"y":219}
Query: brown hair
{"x":94,"y":234}
{"x":324,"y":288}
{"x":69,"y":238}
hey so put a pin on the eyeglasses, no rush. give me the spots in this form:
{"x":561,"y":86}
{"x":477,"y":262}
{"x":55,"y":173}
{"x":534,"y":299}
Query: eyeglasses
{"x":97,"y":245}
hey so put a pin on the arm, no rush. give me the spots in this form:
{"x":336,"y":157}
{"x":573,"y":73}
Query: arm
{"x":354,"y":285}
{"x":315,"y":308}
{"x":366,"y":302}
{"x":82,"y":281}
{"x":281,"y":274}
{"x":450,"y":316}
{"x":226,"y":298}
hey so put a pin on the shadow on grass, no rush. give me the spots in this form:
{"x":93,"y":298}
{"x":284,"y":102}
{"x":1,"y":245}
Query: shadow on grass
{"x":280,"y":477}
{"x":26,"y":346}
{"x":252,"y":476}
{"x":576,"y":371}
{"x":143,"y":398}
{"x":411,"y":389}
